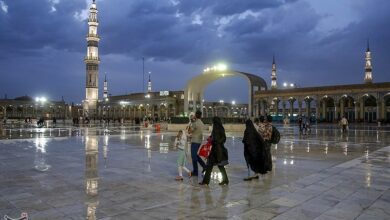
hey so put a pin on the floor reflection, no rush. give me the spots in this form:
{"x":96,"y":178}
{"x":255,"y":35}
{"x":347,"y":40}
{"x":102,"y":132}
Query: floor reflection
{"x":91,"y":174}
{"x":60,"y":178}
{"x":40,"y":163}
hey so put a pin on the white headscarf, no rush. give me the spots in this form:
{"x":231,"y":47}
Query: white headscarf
{"x":192,"y":114}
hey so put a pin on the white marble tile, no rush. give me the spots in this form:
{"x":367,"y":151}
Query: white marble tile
{"x":135,"y":182}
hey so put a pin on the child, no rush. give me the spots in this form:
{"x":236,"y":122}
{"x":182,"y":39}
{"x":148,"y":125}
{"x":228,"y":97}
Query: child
{"x":180,"y":143}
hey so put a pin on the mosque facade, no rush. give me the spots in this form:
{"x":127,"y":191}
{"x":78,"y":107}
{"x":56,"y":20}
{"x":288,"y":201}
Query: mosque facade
{"x":365,"y":102}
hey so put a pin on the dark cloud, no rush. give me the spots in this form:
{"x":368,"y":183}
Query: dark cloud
{"x":231,"y":7}
{"x":45,"y":48}
{"x":31,"y":26}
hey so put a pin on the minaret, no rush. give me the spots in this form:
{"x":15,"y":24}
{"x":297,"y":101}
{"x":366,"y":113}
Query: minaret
{"x":368,"y":67}
{"x":105,"y":89}
{"x":273,"y":75}
{"x":149,"y":84}
{"x":92,"y":64}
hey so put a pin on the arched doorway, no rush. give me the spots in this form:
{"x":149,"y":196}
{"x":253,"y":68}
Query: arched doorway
{"x":194,"y":91}
{"x":328,"y":109}
{"x":347,"y":107}
{"x":369,"y":108}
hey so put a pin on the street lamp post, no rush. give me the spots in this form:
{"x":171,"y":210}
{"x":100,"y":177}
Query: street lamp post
{"x":40,"y":101}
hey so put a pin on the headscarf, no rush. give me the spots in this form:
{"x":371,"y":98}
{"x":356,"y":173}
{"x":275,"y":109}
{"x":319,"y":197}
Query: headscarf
{"x":218,"y":132}
{"x":192,"y":114}
{"x":251,"y":133}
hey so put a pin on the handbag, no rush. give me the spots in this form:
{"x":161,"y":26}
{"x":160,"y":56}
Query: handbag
{"x":204,"y":150}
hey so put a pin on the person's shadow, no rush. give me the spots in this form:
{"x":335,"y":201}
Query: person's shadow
{"x":216,"y":208}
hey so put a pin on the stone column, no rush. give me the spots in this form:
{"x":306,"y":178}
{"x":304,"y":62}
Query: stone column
{"x":356,"y":110}
{"x":324,"y":109}
{"x":336,"y":109}
{"x":283,"y":108}
{"x":299,"y":107}
{"x":292,"y":107}
{"x":276,"y":107}
{"x":342,"y":112}
{"x":383,"y":109}
{"x":308,"y":106}
{"x":361,"y":109}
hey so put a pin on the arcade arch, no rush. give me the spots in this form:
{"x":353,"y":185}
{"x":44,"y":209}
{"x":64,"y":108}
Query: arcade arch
{"x":194,"y":90}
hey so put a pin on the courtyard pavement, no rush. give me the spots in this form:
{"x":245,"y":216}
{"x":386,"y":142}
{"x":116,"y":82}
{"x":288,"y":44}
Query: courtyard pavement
{"x":123,"y":172}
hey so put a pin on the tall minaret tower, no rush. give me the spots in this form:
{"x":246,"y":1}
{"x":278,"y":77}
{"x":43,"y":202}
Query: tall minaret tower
{"x":149,"y":84}
{"x":105,"y":89}
{"x":273,"y":75}
{"x":92,"y":64}
{"x":368,"y":67}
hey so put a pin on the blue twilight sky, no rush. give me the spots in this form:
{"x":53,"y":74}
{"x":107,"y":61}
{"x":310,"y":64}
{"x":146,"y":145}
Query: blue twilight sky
{"x":316,"y":42}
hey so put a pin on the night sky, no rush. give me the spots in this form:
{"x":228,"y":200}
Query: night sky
{"x":315,"y":42}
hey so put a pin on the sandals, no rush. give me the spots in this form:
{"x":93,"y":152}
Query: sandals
{"x":223,"y":183}
{"x":249,"y":178}
{"x":179,"y":178}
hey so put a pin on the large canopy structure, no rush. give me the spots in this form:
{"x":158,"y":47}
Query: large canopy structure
{"x":193,"y":92}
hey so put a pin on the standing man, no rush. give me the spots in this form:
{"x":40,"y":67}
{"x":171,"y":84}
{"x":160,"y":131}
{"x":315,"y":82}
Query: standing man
{"x":196,"y":128}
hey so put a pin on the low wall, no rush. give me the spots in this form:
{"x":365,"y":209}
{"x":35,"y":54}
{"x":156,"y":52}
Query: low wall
{"x":228,"y":127}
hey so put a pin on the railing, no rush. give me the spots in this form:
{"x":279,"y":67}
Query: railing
{"x":93,"y":35}
{"x":91,"y":58}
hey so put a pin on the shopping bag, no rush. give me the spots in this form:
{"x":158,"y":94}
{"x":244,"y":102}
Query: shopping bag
{"x":204,"y":150}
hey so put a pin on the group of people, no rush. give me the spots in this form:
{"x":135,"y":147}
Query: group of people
{"x":218,"y":156}
{"x":257,"y":148}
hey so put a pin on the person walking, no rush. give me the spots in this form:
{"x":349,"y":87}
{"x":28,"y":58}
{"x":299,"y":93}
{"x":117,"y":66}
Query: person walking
{"x":54,"y":121}
{"x":254,"y":151}
{"x":180,"y":143}
{"x":300,"y":123}
{"x":344,"y":124}
{"x":218,"y":155}
{"x":265,"y":130}
{"x":196,"y":131}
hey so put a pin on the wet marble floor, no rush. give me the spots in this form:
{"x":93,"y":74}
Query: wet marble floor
{"x":127,"y":173}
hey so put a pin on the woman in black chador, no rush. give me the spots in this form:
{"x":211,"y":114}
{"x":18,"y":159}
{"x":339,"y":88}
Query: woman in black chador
{"x":218,"y":155}
{"x":254,"y":151}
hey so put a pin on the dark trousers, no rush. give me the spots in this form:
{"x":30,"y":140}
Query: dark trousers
{"x":268,"y":156}
{"x":195,"y":158}
{"x":209,"y":168}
